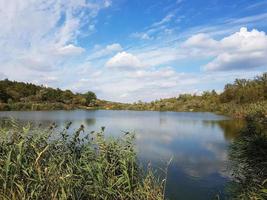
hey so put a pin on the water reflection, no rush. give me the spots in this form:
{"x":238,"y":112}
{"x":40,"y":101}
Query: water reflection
{"x":230,"y":128}
{"x":196,"y":141}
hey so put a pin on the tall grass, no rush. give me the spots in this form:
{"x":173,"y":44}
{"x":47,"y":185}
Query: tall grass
{"x":248,"y":157}
{"x":48,"y":164}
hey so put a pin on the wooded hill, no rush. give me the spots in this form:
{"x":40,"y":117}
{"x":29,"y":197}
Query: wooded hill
{"x":27,"y":96}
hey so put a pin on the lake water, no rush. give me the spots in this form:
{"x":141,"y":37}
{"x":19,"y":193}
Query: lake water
{"x":196,"y":142}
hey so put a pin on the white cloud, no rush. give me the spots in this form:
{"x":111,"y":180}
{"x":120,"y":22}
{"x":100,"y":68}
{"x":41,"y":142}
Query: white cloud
{"x":124,"y":60}
{"x":241,"y":50}
{"x":165,"y":72}
{"x":237,"y":61}
{"x":148,"y":83}
{"x":114,"y":47}
{"x":32,"y":62}
{"x":38,"y":36}
{"x":159,"y":56}
{"x":246,"y":41}
{"x":201,"y":40}
{"x":135,"y":84}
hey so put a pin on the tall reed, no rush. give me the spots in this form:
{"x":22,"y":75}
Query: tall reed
{"x":46,"y":164}
{"x":248,"y":159}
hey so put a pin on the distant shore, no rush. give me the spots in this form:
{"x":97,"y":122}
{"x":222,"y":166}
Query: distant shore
{"x":238,"y":99}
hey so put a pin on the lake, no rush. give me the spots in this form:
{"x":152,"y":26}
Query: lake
{"x":195,"y":141}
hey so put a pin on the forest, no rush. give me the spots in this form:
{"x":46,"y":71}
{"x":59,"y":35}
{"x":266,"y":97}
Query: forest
{"x":27,"y":96}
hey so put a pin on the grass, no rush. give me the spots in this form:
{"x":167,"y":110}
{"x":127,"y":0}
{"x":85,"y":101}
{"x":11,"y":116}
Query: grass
{"x":43,"y":163}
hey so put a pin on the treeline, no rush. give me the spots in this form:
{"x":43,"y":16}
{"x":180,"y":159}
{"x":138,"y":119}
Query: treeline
{"x":27,"y":96}
{"x":241,"y":98}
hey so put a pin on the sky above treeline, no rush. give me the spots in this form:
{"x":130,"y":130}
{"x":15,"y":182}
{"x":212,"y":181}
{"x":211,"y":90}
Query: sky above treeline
{"x":129,"y":50}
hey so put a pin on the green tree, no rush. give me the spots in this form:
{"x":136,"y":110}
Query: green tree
{"x":90,"y":97}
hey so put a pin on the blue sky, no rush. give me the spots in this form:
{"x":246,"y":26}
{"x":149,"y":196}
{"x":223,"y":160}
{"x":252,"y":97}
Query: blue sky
{"x":129,"y":50}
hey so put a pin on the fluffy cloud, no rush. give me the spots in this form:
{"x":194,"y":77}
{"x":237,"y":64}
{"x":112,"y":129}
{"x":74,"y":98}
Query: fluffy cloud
{"x":124,"y":60}
{"x":241,"y":50}
{"x":40,"y":36}
{"x":237,"y":61}
{"x":201,"y":40}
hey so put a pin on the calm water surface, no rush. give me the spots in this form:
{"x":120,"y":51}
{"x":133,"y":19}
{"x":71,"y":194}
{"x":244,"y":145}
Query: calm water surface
{"x":196,"y":142}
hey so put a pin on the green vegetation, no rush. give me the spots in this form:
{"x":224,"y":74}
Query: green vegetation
{"x":90,"y":97}
{"x":240,"y":99}
{"x":48,"y":164}
{"x":27,"y":96}
{"x":248,"y":160}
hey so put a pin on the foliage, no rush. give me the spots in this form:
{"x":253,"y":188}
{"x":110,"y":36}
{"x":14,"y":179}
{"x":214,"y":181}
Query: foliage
{"x":248,"y":160}
{"x":27,"y":96}
{"x":90,"y":97}
{"x":48,"y":164}
{"x":245,"y":91}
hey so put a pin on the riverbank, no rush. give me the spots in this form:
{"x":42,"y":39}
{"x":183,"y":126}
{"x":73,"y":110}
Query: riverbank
{"x":239,"y":111}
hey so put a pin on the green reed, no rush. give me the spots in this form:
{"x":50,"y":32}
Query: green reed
{"x":43,"y":163}
{"x":248,"y":158}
